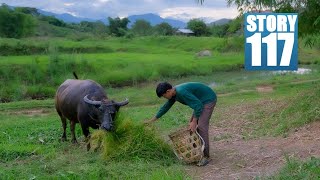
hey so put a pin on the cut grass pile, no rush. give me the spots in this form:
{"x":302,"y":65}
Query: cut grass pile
{"x":131,"y":141}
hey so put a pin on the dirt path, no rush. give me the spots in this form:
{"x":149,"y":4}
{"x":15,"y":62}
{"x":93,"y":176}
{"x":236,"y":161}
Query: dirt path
{"x":234,"y":158}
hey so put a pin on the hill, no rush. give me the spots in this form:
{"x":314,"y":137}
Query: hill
{"x":155,"y":19}
{"x":220,"y":22}
{"x":68,"y":18}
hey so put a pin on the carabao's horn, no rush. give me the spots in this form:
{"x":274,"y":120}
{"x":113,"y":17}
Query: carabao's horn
{"x":91,"y":101}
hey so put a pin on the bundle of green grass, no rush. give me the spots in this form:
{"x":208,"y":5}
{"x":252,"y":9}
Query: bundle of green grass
{"x":131,"y":140}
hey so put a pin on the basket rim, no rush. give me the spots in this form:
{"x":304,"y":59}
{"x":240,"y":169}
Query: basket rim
{"x":178,"y":132}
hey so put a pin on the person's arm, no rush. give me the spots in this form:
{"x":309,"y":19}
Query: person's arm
{"x":162,"y":111}
{"x":165,"y":108}
{"x":196,"y":105}
{"x":193,"y":124}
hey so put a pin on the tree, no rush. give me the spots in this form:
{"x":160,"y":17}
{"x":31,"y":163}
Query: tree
{"x":97,"y":28}
{"x":15,"y":24}
{"x":198,"y":27}
{"x":142,"y":28}
{"x":309,"y":13}
{"x":28,"y":10}
{"x":164,"y":29}
{"x":117,"y":26}
{"x":53,"y":20}
{"x":235,"y":25}
{"x":219,"y":30}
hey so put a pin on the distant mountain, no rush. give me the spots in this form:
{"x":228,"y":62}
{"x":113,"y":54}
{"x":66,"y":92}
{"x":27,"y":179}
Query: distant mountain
{"x":152,"y":18}
{"x":155,"y":19}
{"x":68,"y":18}
{"x":220,"y":22}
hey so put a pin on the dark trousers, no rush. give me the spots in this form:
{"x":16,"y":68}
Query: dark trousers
{"x":203,"y":125}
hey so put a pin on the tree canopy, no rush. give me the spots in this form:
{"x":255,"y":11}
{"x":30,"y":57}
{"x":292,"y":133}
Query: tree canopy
{"x":14,"y":23}
{"x":118,"y":26}
{"x":309,"y":11}
{"x":198,"y":26}
{"x":142,"y":28}
{"x":164,"y":29}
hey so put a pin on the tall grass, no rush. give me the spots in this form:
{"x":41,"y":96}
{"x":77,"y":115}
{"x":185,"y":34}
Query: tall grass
{"x":155,"y":44}
{"x":36,"y":79}
{"x":114,"y":62}
{"x":115,"y":69}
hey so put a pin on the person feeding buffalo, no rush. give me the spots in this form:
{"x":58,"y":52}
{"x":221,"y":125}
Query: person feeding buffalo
{"x":201,"y":98}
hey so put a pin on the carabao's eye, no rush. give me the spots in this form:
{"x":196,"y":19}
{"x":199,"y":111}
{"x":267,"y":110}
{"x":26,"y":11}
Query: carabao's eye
{"x":100,"y":109}
{"x":111,"y":111}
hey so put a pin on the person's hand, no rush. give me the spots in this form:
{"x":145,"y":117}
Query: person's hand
{"x":149,"y":121}
{"x":193,"y":125}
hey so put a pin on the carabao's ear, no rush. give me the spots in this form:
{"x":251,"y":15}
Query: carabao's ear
{"x":122,"y":103}
{"x":114,"y":103}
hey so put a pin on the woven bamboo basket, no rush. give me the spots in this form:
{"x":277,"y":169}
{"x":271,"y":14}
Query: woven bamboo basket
{"x":187,"y":146}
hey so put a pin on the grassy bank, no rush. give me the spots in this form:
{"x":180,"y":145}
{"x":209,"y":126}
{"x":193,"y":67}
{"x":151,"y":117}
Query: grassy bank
{"x":115,"y":62}
{"x":154,"y":44}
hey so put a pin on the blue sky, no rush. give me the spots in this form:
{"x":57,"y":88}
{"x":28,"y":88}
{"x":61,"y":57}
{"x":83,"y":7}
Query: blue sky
{"x":97,"y":9}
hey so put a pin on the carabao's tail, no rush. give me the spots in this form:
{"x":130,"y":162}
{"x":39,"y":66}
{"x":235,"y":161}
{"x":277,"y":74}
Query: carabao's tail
{"x":75,"y":75}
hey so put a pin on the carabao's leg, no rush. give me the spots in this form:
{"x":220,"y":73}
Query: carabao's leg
{"x":72,"y":128}
{"x":64,"y":127}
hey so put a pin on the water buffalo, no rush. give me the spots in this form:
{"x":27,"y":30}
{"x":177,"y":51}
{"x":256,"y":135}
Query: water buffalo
{"x":85,"y":102}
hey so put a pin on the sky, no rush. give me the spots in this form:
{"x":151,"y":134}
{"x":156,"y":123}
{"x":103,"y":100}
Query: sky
{"x":183,"y":10}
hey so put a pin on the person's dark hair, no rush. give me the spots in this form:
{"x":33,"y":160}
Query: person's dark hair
{"x":162,"y":88}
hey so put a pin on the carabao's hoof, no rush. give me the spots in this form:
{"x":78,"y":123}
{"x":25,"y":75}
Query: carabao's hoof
{"x":63,"y":139}
{"x":88,"y":146}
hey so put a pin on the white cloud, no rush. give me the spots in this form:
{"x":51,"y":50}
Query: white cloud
{"x":98,"y":9}
{"x":207,"y":14}
{"x":68,"y":4}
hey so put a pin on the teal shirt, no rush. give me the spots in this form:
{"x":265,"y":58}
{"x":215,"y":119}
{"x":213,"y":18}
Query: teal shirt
{"x":193,"y":94}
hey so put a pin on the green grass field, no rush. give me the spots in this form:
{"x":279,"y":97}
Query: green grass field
{"x":30,"y":129}
{"x":30,"y":144}
{"x":127,"y":62}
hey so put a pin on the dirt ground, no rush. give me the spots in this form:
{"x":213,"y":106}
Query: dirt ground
{"x":235,"y":158}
